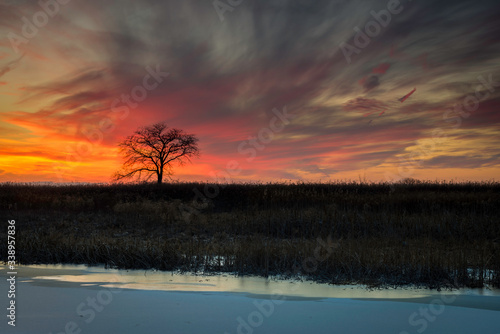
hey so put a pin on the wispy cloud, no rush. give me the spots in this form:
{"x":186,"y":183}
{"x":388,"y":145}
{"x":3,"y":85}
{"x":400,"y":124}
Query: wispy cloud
{"x":10,"y":66}
{"x":226,"y":77}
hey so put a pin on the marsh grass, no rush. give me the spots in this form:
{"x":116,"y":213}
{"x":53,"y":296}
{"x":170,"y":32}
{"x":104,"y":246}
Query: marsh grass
{"x":420,"y":233}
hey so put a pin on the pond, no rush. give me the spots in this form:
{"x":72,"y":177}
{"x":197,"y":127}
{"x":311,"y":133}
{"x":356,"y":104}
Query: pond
{"x":79,"y":299}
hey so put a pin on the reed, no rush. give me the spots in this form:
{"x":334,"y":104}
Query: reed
{"x":423,"y":233}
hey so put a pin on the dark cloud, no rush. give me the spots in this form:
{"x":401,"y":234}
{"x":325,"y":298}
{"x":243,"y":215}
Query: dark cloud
{"x":371,"y":82}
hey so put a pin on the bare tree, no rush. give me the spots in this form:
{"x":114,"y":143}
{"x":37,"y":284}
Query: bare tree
{"x":154,"y":150}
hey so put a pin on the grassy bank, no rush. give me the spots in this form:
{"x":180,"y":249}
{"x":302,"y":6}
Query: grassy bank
{"x":429,"y":234}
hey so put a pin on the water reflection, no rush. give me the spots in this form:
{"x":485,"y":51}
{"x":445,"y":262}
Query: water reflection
{"x":61,"y":275}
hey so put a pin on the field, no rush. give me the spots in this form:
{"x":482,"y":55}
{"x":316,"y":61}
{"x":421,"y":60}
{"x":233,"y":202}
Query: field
{"x":412,"y":233}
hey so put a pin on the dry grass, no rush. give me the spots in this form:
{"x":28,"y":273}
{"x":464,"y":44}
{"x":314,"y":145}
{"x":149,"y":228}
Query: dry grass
{"x":415,"y":233}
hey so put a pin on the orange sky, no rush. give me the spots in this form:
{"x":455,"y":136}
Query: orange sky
{"x":72,"y":88}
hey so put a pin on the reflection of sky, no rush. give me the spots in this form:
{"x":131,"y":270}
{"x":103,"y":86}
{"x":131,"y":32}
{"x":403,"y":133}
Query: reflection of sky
{"x":226,"y":77}
{"x":168,"y":281}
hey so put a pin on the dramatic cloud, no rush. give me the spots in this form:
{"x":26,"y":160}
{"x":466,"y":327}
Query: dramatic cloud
{"x":75,"y":85}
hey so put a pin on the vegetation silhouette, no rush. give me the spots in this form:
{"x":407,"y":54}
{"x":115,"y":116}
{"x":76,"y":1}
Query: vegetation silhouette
{"x":153,"y":150}
{"x":407,"y":233}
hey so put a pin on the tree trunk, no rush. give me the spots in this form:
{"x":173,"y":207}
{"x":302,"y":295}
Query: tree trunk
{"x":160,"y":178}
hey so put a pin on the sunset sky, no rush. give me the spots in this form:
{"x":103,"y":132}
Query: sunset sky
{"x":75,"y":79}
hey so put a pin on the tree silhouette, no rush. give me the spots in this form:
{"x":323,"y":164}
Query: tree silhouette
{"x":154,"y":150}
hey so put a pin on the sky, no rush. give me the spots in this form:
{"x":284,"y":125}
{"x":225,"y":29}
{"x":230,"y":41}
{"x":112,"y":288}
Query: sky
{"x":275,"y":90}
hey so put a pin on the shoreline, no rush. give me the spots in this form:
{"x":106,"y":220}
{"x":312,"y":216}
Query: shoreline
{"x":143,"y":279}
